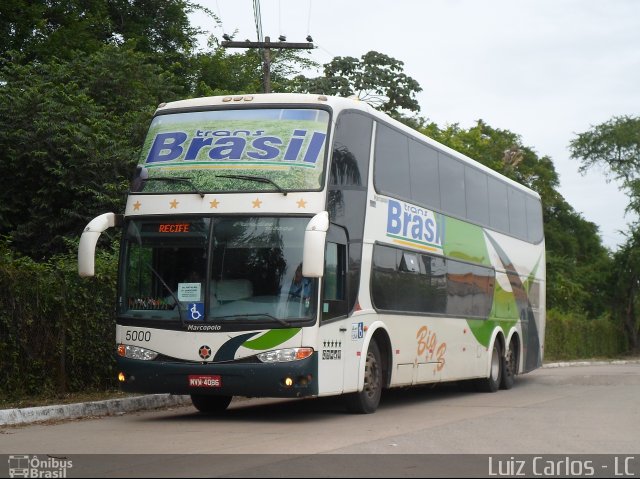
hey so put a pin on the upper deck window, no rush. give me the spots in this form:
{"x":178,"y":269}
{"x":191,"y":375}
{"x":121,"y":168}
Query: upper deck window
{"x":217,"y":150}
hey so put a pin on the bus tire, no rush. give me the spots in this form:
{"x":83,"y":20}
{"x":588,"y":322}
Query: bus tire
{"x":367,"y":400}
{"x":509,"y":366}
{"x":210,"y":404}
{"x":491,"y":383}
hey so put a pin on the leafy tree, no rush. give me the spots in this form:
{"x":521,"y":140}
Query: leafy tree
{"x":218,"y":73}
{"x":625,"y":279}
{"x":73,"y":130}
{"x":42,"y":29}
{"x":375,"y":77}
{"x":615,"y":147}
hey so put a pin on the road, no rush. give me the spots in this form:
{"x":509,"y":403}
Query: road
{"x":582,"y":410}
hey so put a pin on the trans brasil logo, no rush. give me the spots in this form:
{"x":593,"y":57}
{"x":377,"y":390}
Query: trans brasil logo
{"x":414,"y":226}
{"x":300,"y":148}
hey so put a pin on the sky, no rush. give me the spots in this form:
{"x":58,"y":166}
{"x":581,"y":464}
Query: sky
{"x":544,"y":69}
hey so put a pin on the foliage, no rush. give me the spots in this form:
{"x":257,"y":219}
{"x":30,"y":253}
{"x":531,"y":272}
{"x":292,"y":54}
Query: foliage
{"x":625,"y":280}
{"x":75,"y":131}
{"x":615,"y":146}
{"x":574,"y":336}
{"x":42,"y":29}
{"x":218,"y":72}
{"x":375,"y":78}
{"x":55,"y":328}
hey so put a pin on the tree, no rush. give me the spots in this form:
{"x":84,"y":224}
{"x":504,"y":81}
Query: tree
{"x":626,"y":288}
{"x":42,"y":29}
{"x":615,"y":147}
{"x":72,"y":134}
{"x":217,"y":72}
{"x":375,"y":78}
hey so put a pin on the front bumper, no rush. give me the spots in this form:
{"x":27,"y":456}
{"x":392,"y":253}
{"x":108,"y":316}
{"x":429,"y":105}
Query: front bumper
{"x":236,"y":378}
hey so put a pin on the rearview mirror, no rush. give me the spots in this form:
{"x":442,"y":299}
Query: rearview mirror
{"x":314,"y":241}
{"x":88,"y":240}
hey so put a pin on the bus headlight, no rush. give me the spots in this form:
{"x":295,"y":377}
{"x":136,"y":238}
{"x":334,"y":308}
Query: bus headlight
{"x":285,"y":355}
{"x":136,"y":352}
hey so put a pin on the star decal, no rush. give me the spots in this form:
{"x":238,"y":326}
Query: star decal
{"x":136,"y":206}
{"x":174,"y":204}
{"x":302,"y":203}
{"x":214,"y":203}
{"x":257,"y":203}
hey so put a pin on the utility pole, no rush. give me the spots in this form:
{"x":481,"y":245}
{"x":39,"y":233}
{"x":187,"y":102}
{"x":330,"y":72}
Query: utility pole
{"x":266,"y":46}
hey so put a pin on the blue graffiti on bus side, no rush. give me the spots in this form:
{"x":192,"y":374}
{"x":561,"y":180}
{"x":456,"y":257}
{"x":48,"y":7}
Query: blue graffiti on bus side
{"x":414,"y":224}
{"x":220,"y":145}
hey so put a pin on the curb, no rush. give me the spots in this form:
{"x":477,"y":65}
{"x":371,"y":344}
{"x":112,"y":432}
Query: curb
{"x":566,"y":364}
{"x":112,"y":407}
{"x":108,"y":407}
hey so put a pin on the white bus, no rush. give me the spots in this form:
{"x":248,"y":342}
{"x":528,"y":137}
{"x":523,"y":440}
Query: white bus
{"x":289,"y":245}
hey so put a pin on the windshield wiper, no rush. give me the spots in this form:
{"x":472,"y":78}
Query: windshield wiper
{"x":176,"y":303}
{"x":177,"y":179}
{"x":247,"y":316}
{"x":257,"y":179}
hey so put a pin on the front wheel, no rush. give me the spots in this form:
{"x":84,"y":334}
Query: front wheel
{"x":210,"y":404}
{"x":367,"y":400}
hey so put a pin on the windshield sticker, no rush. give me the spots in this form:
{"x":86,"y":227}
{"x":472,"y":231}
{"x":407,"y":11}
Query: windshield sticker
{"x":189,"y":291}
{"x":195,"y":311}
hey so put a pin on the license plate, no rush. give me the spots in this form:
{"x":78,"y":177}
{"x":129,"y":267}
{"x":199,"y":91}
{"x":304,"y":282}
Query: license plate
{"x":204,"y":381}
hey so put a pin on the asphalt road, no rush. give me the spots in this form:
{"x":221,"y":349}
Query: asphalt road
{"x":579,"y":411}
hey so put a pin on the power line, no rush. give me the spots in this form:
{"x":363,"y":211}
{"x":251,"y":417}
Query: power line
{"x":258,"y":19}
{"x":266,"y":45}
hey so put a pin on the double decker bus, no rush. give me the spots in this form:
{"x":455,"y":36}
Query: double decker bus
{"x":290,"y":245}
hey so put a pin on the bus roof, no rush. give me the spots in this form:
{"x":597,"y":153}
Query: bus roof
{"x":336,"y":104}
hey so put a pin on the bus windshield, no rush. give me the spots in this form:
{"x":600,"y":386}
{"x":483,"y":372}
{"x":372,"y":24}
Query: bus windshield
{"x":221,"y":270}
{"x":268,"y":149}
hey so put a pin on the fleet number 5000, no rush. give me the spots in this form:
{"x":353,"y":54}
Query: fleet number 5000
{"x":137,"y":335}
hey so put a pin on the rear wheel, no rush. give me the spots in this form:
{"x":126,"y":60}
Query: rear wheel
{"x":509,"y":366}
{"x":367,"y":400}
{"x":210,"y":404}
{"x":492,"y":383}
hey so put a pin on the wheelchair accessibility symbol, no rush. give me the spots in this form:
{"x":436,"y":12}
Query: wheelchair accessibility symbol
{"x":196,"y":311}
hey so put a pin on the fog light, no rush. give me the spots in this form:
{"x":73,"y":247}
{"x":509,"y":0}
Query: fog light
{"x":288,"y":382}
{"x":121,"y":377}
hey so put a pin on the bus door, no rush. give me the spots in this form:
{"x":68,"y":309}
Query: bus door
{"x":333,"y":336}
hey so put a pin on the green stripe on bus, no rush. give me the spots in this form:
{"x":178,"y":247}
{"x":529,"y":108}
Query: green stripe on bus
{"x":271,"y":339}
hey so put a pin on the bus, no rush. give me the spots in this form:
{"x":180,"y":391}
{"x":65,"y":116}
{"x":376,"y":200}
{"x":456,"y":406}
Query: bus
{"x":298,"y":245}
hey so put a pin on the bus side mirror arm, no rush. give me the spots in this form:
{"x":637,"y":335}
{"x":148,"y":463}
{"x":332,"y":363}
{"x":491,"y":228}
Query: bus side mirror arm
{"x":315,"y":236}
{"x":89,"y":239}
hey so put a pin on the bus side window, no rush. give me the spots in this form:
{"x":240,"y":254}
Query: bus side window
{"x":334,"y":303}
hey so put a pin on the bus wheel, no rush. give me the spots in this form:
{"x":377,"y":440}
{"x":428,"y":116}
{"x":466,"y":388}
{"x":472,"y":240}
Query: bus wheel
{"x":367,"y":400}
{"x":509,"y":366}
{"x":492,"y":383}
{"x":210,"y":404}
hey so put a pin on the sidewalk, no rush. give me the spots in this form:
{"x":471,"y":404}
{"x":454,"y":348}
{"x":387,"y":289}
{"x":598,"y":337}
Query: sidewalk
{"x":112,"y":407}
